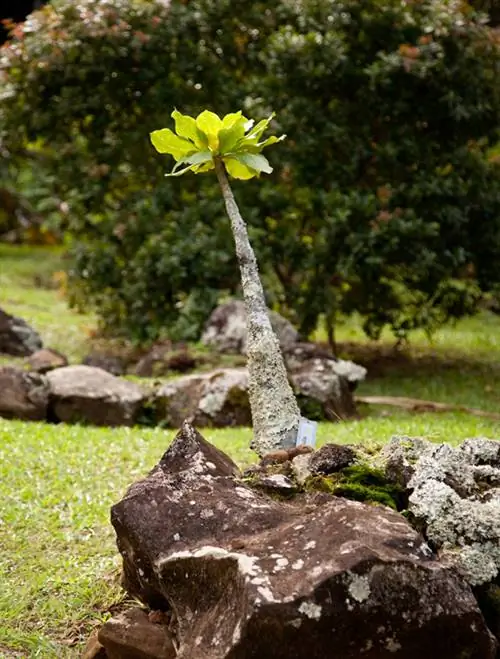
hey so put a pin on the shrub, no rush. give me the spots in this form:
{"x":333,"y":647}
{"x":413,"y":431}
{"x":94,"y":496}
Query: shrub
{"x":385,"y":199}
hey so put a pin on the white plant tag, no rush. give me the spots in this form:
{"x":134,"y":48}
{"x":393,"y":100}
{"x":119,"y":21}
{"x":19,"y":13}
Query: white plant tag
{"x":307,"y":432}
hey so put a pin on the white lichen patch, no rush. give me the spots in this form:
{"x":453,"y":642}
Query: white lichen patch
{"x":207,"y":513}
{"x":392,"y":645}
{"x":358,"y":587}
{"x":244,"y":493}
{"x":310,"y":545}
{"x":310,"y":610}
{"x":298,"y":565}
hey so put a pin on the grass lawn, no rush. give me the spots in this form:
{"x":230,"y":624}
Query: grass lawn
{"x":59,"y":566}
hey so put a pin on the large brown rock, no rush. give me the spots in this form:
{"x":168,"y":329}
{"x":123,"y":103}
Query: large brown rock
{"x":91,"y":395}
{"x":226,"y":329}
{"x":23,"y":395}
{"x":17,"y":338}
{"x":220,"y":398}
{"x":248,"y":576}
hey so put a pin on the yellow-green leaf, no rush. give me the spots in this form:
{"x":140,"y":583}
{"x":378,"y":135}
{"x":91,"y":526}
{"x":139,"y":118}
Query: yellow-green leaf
{"x":229,"y":137}
{"x":165,"y":141}
{"x":210,"y":124}
{"x":186,"y":127}
{"x":255,"y":161}
{"x":237,"y":169}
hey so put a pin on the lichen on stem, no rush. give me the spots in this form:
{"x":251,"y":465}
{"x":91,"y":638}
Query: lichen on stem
{"x":275,"y":412}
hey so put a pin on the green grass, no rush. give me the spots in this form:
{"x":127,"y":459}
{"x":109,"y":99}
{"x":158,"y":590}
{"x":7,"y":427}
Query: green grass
{"x":28,"y":288}
{"x":59,"y":566}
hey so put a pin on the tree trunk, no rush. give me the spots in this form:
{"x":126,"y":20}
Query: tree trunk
{"x":275,"y":413}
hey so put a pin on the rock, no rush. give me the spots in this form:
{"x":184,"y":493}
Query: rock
{"x":220,"y":398}
{"x":215,"y":399}
{"x":331,"y":458}
{"x":451,"y":501}
{"x":131,"y":635}
{"x":226,"y":328}
{"x":323,"y":393}
{"x":110,"y":363}
{"x":162,"y":359}
{"x":297,"y":354}
{"x":17,"y":338}
{"x":248,"y":576}
{"x":275,"y":484}
{"x":90,"y":395}
{"x":300,"y":468}
{"x":23,"y":395}
{"x":93,"y":649}
{"x":45,"y":360}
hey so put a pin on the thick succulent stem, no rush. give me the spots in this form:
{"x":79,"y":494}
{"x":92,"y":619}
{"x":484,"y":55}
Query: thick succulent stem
{"x":275,"y":412}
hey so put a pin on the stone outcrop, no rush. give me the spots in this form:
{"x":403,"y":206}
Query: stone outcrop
{"x":246,"y":575}
{"x":90,"y":395}
{"x":455,"y":499}
{"x":17,"y":338}
{"x":220,"y":398}
{"x":23,"y":395}
{"x":226,"y":329}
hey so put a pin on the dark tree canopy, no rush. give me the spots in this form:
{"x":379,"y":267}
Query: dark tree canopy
{"x":385,"y":197}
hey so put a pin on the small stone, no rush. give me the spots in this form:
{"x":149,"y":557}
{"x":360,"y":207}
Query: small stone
{"x":93,"y":649}
{"x":131,"y":635}
{"x":301,"y":468}
{"x":45,"y":360}
{"x":331,"y":458}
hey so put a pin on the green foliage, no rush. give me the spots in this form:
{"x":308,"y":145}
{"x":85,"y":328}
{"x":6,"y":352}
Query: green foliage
{"x":386,"y":195}
{"x":198,"y":142}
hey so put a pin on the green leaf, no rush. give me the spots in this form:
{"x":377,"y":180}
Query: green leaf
{"x":186,"y":127}
{"x":229,"y":137}
{"x":250,"y":147}
{"x":234,"y":117}
{"x":165,"y":141}
{"x":193,"y":162}
{"x":237,"y":169}
{"x":210,"y":124}
{"x":255,"y":161}
{"x":256,"y":132}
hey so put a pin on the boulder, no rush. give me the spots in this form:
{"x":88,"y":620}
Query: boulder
{"x":164,"y":358}
{"x":23,"y":395}
{"x":17,"y":338}
{"x":298,"y":354}
{"x":132,"y":635}
{"x":220,"y":398}
{"x":84,"y":394}
{"x":110,"y":363}
{"x":226,"y":329}
{"x":322,"y":392}
{"x":454,"y":499}
{"x":248,"y":576}
{"x":215,"y":399}
{"x":45,"y":360}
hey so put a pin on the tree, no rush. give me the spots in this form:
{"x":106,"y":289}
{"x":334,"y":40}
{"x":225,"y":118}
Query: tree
{"x":233,"y":145}
{"x":386,"y":196}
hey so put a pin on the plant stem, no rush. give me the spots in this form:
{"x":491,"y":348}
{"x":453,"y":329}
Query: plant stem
{"x":275,"y":412}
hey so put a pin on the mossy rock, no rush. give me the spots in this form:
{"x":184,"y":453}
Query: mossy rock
{"x":360,"y":482}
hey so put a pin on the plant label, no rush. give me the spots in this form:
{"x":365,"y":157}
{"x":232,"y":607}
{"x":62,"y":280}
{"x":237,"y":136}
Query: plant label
{"x":307,"y":432}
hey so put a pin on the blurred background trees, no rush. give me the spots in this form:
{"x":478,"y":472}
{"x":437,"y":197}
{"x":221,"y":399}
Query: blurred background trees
{"x":385,"y":198}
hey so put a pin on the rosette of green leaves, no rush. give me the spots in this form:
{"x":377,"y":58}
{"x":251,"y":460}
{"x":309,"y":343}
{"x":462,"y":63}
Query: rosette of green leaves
{"x":234,"y":139}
